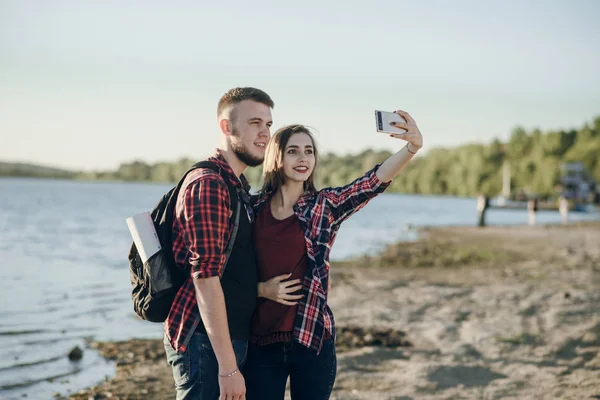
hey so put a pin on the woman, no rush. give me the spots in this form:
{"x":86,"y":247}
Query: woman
{"x":293,"y":328}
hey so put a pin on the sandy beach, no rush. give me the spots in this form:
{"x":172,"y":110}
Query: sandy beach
{"x":463,"y":313}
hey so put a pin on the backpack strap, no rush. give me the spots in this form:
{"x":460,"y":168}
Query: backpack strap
{"x":233,"y":199}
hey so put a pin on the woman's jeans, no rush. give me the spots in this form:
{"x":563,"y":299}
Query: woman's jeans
{"x":196,"y":370}
{"x":311,"y":376}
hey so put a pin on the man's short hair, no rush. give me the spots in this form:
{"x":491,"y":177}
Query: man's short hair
{"x":239,"y":94}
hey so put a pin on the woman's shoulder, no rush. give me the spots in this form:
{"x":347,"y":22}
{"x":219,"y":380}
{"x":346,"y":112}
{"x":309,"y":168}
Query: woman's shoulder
{"x":312,"y":198}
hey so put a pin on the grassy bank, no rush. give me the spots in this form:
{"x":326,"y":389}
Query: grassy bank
{"x":454,"y":247}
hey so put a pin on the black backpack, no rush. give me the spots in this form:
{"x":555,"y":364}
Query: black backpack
{"x":155,"y":283}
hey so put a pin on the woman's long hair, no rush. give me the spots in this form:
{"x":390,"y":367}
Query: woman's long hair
{"x":273,"y":175}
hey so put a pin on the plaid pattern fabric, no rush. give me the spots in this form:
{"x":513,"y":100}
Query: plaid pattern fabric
{"x":201,"y":230}
{"x":320,"y":214}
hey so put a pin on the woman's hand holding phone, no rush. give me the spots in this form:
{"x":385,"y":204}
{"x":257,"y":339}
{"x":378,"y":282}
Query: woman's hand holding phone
{"x":403,"y":126}
{"x":412,"y":135}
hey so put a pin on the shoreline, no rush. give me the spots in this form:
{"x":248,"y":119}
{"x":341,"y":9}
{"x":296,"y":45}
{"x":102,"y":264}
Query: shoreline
{"x":503,"y":311}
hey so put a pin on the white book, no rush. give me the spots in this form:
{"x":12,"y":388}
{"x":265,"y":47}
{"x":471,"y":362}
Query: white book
{"x":144,"y":235}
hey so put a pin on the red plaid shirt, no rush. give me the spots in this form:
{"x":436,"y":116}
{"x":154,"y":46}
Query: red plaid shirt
{"x":320,"y":214}
{"x":202,"y":228}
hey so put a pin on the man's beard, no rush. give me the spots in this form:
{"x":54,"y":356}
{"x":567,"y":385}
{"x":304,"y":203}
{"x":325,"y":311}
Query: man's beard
{"x":242,"y":152}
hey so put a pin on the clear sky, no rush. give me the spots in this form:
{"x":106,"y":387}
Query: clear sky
{"x":91,"y":84}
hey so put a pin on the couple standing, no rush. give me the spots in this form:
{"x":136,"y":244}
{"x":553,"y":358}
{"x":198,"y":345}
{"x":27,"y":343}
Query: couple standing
{"x":254,"y":312}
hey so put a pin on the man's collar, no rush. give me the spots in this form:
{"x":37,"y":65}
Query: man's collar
{"x":222,"y":162}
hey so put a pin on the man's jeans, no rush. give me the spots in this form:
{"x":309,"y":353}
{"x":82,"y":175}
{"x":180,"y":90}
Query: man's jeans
{"x":311,"y":377}
{"x":196,"y":371}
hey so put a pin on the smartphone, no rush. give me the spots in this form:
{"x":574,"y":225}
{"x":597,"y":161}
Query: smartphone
{"x":383,"y":119}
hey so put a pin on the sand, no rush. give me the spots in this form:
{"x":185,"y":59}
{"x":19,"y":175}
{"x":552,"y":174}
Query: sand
{"x":463,"y":313}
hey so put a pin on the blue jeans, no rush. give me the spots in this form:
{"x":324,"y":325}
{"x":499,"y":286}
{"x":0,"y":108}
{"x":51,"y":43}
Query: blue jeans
{"x":196,"y":370}
{"x":311,"y":376}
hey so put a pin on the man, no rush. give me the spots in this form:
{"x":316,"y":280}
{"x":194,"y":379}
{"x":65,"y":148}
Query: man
{"x":208,"y":325}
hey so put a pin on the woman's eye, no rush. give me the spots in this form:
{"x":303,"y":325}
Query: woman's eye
{"x":309,"y":151}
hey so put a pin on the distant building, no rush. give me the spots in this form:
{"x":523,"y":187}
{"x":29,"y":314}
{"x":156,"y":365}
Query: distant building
{"x":576,"y":183}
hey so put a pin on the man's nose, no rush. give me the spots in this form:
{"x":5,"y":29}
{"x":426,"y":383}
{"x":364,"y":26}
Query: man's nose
{"x":265,"y":132}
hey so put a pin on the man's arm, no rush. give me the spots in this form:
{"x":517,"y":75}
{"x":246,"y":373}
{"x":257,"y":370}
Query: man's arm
{"x":211,"y":303}
{"x":207,"y":210}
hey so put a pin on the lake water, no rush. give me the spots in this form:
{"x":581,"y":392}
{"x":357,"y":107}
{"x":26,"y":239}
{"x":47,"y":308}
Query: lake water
{"x":64,"y":271}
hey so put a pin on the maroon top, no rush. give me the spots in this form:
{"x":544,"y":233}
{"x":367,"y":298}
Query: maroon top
{"x":280,"y":249}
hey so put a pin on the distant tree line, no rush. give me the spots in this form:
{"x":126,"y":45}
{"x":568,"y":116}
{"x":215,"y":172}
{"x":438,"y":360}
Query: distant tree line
{"x":534,"y":158}
{"x":32,"y":170}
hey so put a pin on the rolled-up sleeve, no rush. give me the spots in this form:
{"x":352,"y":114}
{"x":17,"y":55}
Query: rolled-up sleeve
{"x":346,"y":200}
{"x":206,"y":213}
